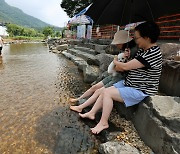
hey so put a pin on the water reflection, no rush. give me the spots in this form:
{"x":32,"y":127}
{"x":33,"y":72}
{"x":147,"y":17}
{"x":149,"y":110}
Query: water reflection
{"x":34,"y":112}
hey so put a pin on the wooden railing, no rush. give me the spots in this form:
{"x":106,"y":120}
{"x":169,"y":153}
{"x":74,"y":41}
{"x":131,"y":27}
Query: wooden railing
{"x":169,"y":26}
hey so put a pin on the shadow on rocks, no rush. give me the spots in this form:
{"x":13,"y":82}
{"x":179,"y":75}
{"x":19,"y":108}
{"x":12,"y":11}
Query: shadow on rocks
{"x":62,"y":132}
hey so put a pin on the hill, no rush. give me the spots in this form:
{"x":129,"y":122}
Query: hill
{"x":14,"y":15}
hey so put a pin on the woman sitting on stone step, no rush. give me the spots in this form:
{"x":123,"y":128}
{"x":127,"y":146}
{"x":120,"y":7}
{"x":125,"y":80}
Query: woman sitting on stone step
{"x":122,"y":41}
{"x":142,"y":80}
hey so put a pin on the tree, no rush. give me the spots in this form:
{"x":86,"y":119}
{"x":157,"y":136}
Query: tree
{"x":72,"y":7}
{"x":48,"y":31}
{"x":16,"y":30}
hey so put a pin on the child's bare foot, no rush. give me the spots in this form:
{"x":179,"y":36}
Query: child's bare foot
{"x":87,"y":115}
{"x":98,"y":128}
{"x":76,"y":108}
{"x":73,"y":100}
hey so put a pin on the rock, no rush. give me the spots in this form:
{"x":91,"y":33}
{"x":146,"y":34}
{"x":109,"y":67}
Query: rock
{"x":158,"y":121}
{"x":62,"y":47}
{"x":169,"y":50}
{"x":117,"y":148}
{"x":105,"y":60}
{"x":170,"y":78}
{"x":90,"y":73}
{"x":112,"y":49}
{"x":100,"y":48}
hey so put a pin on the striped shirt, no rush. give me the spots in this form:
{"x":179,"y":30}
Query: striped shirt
{"x":146,"y":79}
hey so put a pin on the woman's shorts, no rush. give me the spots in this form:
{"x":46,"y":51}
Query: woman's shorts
{"x":110,"y":80}
{"x":130,"y":95}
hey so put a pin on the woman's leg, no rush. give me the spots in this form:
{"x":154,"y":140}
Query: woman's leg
{"x":87,"y":103}
{"x":109,"y":94}
{"x":89,"y":92}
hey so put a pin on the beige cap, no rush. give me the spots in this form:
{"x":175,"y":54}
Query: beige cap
{"x":121,"y":37}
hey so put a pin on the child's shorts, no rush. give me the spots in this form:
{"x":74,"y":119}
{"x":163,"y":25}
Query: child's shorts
{"x":110,"y":80}
{"x":130,"y":95}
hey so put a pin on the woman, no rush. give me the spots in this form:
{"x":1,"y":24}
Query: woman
{"x":122,"y":41}
{"x":142,"y":79}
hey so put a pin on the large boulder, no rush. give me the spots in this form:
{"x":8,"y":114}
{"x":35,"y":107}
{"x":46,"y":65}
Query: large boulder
{"x":158,"y":121}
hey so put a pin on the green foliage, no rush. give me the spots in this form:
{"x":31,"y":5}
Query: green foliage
{"x":57,"y":34}
{"x":72,"y":7}
{"x":20,"y":32}
{"x":14,"y":15}
{"x":48,"y":31}
{"x":15,"y":30}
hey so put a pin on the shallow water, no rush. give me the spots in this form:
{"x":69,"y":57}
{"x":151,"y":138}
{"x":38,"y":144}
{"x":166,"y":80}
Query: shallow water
{"x":34,"y":112}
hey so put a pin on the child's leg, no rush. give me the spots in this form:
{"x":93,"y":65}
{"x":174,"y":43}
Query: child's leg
{"x":89,"y":92}
{"x":97,"y":106}
{"x":88,"y":102}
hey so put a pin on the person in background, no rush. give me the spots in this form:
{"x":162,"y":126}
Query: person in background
{"x":1,"y":45}
{"x":142,"y":80}
{"x":122,"y":40}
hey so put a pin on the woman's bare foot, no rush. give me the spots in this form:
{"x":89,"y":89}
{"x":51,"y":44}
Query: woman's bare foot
{"x":76,"y":108}
{"x":73,"y":100}
{"x":87,"y":115}
{"x":98,"y":128}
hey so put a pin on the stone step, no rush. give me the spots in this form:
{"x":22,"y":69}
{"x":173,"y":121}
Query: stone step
{"x":91,"y":59}
{"x":90,"y":72}
{"x":76,"y":60}
{"x":89,"y":45}
{"x":86,"y":50}
{"x":99,"y":48}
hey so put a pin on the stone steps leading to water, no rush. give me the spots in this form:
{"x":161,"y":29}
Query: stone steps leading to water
{"x":92,"y":59}
{"x":85,"y":49}
{"x":90,"y":72}
{"x":77,"y":60}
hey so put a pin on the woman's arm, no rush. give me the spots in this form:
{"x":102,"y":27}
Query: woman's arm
{"x":132,"y":64}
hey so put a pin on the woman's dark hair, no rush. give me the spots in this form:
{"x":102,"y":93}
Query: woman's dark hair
{"x":148,"y":29}
{"x":130,"y":45}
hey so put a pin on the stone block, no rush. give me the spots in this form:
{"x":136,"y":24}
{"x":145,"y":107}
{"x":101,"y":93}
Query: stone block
{"x":117,"y":148}
{"x":170,"y":78}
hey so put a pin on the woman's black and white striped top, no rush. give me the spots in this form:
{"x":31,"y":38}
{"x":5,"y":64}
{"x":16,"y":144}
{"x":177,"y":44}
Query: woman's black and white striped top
{"x":146,"y":79}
